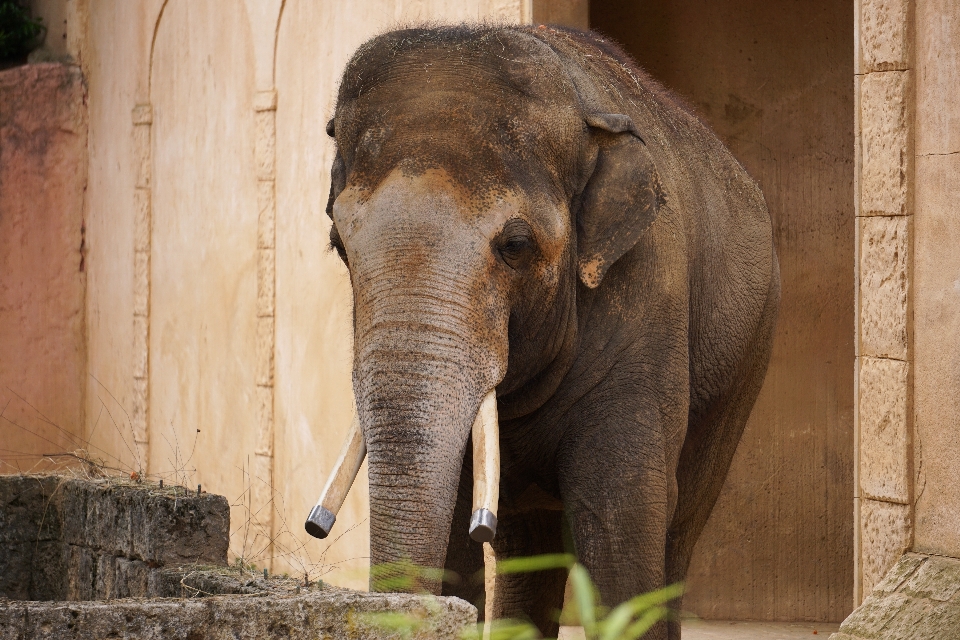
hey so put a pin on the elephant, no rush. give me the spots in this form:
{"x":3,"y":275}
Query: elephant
{"x":523,"y":211}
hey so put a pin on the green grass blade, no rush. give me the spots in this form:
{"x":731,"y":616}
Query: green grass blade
{"x":535,"y":563}
{"x":513,"y":630}
{"x":644,"y":601}
{"x":649,"y":618}
{"x":613,"y":625}
{"x":584,"y":594}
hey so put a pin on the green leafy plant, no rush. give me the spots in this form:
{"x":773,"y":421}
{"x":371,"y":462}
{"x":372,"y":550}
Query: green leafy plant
{"x":19,"y":33}
{"x":406,"y":577}
{"x":628,"y":621}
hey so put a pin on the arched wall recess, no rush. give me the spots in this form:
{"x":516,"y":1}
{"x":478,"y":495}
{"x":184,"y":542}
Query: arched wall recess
{"x":206,"y":333}
{"x":142,"y":116}
{"x":203,"y":322}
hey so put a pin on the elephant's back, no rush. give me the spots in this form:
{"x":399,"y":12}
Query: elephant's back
{"x":730,"y":259}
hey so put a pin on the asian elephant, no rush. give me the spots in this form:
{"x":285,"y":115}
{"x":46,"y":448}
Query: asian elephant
{"x":522,"y":209}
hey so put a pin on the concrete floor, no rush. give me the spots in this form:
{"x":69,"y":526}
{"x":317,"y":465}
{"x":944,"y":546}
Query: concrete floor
{"x":722,"y":630}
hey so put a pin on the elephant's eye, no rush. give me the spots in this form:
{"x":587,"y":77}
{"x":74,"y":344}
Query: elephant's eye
{"x":515,"y":243}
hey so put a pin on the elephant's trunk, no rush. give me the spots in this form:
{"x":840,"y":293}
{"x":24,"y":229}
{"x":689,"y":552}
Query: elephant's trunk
{"x":419,"y":386}
{"x":430,"y":342}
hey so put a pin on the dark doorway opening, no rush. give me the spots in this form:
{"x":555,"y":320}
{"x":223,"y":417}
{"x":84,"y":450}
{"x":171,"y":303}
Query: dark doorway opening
{"x":775,"y":80}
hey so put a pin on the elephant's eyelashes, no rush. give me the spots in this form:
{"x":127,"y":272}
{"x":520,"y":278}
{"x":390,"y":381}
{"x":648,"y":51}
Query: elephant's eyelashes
{"x":515,"y":243}
{"x":337,"y":244}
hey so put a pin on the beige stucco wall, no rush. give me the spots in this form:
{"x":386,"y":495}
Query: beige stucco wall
{"x":218,"y":321}
{"x":936,"y":327}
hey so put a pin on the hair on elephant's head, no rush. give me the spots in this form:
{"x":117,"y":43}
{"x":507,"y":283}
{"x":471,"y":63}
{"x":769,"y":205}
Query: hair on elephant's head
{"x":480,"y":182}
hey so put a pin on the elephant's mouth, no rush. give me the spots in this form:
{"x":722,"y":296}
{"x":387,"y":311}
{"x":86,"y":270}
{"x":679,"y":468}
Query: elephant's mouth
{"x":486,"y":476}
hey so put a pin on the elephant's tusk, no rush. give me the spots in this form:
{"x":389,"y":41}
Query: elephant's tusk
{"x":486,"y":470}
{"x":354,"y":450}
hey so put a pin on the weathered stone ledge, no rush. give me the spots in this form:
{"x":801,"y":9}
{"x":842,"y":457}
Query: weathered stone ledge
{"x":330,"y":613}
{"x":108,"y":558}
{"x":919,"y":599}
{"x":64,"y":538}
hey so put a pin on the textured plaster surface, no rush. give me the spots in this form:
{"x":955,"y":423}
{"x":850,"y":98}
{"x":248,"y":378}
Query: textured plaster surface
{"x":571,"y":13}
{"x":883,"y":430}
{"x":938,"y":76}
{"x":937,"y":344}
{"x":884,"y":286}
{"x":884,"y":112}
{"x":43,"y":138}
{"x":884,"y":536}
{"x":937,"y":279}
{"x":918,"y":599}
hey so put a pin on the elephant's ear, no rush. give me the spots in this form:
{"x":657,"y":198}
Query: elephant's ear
{"x":621,"y":198}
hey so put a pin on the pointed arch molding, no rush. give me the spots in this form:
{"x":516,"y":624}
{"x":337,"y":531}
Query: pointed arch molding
{"x":265,"y":108}
{"x":143,"y":214}
{"x":265,"y":105}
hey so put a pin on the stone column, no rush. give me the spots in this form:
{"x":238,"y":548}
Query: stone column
{"x":261,"y":482}
{"x":884,"y":209}
{"x":143,"y":225}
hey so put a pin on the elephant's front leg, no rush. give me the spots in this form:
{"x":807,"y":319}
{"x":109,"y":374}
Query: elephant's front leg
{"x":615,"y":491}
{"x":537,"y":596}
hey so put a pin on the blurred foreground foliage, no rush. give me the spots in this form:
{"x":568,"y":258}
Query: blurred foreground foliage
{"x":19,"y":33}
{"x":627,"y":621}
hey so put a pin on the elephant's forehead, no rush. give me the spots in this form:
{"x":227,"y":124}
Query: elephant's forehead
{"x":502,"y":61}
{"x":491,"y":107}
{"x":418,"y":202}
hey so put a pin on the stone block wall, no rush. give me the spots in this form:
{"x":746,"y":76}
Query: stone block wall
{"x":91,"y":559}
{"x":69,"y":539}
{"x":884,"y":209}
{"x":909,"y":296}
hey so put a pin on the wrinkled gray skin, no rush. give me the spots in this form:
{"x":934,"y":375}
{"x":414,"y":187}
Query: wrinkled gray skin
{"x":523,"y":209}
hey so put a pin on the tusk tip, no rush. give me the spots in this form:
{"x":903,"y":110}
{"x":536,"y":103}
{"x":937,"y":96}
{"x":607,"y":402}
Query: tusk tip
{"x":320,"y":522}
{"x":483,"y":525}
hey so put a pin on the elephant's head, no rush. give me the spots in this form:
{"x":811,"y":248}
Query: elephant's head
{"x":476,"y":188}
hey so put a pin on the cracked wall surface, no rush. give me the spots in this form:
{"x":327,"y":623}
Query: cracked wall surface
{"x":937,"y":279}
